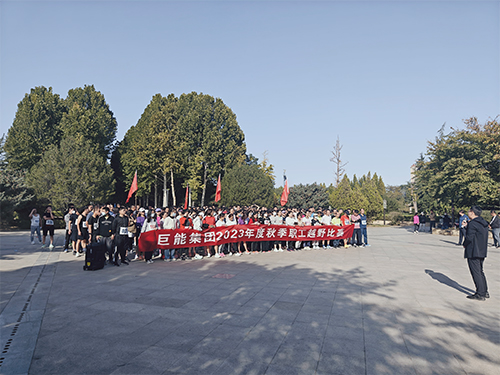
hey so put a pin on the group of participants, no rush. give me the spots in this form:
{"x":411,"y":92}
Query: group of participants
{"x":119,"y":228}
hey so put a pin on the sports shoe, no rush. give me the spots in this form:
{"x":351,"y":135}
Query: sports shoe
{"x":209,"y":255}
{"x":237,"y":254}
{"x":275,"y":250}
{"x":77,"y":255}
{"x":65,"y":250}
{"x":198,"y":256}
{"x":166,"y":260}
{"x":149,"y":261}
{"x":222,"y":255}
{"x":366,"y":245}
{"x":32,"y":242}
{"x":229,"y":254}
{"x":281,"y":250}
{"x":43,"y":245}
{"x":217,"y":255}
{"x":51,"y":246}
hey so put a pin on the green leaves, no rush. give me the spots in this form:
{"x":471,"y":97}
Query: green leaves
{"x":462,"y":167}
{"x":74,"y":172}
{"x":194,"y":137}
{"x":35,"y":128}
{"x":309,"y":195}
{"x":247,"y":185}
{"x":367,"y":193}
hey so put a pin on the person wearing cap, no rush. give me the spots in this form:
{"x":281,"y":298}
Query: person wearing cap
{"x":119,"y":231}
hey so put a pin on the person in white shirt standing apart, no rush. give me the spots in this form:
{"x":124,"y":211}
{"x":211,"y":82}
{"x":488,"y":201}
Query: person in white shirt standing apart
{"x":35,"y":226}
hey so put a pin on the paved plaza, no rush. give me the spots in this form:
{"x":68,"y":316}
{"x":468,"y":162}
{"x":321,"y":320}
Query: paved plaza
{"x":397,"y":307}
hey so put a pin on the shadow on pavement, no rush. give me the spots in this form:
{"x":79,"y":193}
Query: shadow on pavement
{"x":443,"y":279}
{"x":178,"y":318}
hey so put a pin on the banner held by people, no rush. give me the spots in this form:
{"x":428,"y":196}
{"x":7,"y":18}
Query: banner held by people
{"x":181,"y":238}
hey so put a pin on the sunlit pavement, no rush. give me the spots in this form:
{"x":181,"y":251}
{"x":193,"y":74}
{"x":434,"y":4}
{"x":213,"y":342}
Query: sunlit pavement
{"x":397,"y":307}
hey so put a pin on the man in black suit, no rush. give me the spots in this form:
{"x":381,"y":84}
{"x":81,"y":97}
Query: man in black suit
{"x":475,"y":245}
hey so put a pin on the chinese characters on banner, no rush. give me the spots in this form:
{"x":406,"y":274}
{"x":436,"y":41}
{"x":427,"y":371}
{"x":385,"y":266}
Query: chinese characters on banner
{"x":178,"y":238}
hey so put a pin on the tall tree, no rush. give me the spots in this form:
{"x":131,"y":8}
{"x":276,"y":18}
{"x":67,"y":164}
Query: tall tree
{"x":374,"y":201}
{"x":345,"y":197}
{"x":210,"y":135}
{"x":89,"y":117}
{"x":35,"y":128}
{"x":14,"y":193}
{"x":75,"y":171}
{"x":339,"y":164}
{"x":463,"y":167}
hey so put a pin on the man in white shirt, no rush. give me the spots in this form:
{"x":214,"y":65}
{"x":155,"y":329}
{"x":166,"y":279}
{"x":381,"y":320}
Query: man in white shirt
{"x":326,"y":220}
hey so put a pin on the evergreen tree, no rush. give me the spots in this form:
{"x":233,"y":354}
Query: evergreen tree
{"x":75,"y":171}
{"x":14,"y":193}
{"x":35,"y":128}
{"x":246,"y":185}
{"x":90,"y":118}
{"x":345,"y":197}
{"x":374,"y":203}
{"x":309,"y":195}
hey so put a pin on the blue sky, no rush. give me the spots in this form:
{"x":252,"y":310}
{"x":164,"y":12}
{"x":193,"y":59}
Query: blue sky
{"x":382,"y":76}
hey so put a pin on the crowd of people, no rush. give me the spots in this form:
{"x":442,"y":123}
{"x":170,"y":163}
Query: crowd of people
{"x":119,"y":227}
{"x":445,"y":222}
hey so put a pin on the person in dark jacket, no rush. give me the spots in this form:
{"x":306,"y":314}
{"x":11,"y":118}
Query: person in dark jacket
{"x":495,"y":228}
{"x":119,"y":230}
{"x":476,"y":245}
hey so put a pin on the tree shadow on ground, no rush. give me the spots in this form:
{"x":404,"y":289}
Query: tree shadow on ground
{"x":268,"y":319}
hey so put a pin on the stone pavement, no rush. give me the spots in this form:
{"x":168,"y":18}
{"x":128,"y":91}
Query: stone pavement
{"x":397,"y":307}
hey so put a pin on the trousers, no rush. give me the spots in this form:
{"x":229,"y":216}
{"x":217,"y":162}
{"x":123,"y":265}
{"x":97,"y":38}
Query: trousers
{"x":477,"y":273}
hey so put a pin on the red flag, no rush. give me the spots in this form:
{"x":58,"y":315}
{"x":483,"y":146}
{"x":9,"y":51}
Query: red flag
{"x":133,"y":187}
{"x":187,"y":197}
{"x":284,"y":195}
{"x":218,"y":191}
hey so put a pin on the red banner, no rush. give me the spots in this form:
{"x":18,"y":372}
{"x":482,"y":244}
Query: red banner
{"x":179,"y":238}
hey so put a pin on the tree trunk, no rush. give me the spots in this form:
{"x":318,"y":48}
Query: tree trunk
{"x":165,"y":199}
{"x":156,"y":192}
{"x":174,"y":201}
{"x":204,"y":185}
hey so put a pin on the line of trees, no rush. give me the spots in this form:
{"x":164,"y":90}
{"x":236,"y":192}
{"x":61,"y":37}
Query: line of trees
{"x":61,"y":150}
{"x":460,"y":169}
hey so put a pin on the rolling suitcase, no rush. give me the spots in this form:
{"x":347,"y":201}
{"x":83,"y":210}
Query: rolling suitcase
{"x":95,"y":256}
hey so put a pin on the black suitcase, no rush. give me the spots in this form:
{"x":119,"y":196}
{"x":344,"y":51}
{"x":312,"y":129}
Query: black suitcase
{"x":95,"y":256}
